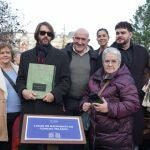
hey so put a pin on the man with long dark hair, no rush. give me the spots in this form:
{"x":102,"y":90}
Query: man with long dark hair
{"x":44,"y":53}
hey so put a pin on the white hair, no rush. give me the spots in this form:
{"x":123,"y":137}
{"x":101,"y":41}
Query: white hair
{"x":112,"y":50}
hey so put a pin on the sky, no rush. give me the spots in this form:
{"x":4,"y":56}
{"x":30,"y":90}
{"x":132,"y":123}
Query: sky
{"x":69,"y":15}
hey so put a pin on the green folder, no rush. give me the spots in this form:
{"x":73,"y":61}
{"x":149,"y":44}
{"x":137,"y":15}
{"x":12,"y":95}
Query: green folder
{"x":41,"y":79}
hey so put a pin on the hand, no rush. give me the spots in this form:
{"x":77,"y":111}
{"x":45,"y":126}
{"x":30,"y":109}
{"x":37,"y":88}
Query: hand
{"x":101,"y":107}
{"x":28,"y":95}
{"x":49,"y":97}
{"x":86,"y":106}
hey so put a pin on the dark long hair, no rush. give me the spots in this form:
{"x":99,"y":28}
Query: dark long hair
{"x":49,"y":26}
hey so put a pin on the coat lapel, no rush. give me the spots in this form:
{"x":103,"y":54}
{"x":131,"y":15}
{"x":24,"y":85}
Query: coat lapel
{"x":50,"y":56}
{"x":32,"y":56}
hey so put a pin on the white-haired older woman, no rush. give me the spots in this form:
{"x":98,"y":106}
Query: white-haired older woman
{"x":111,"y":120}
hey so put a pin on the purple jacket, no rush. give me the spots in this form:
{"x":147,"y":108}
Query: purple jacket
{"x":113,"y":130}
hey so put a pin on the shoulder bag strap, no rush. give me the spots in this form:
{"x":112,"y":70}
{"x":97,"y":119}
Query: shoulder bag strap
{"x":104,"y":86}
{"x":10,"y":80}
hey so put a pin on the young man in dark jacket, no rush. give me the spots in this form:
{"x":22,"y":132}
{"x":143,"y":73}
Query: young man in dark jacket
{"x":136,"y":59}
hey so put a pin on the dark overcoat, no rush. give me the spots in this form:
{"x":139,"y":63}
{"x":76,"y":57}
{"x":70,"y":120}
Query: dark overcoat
{"x":62,"y":82}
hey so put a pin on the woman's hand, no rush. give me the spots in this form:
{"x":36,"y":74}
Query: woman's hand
{"x":101,"y":107}
{"x":86,"y":106}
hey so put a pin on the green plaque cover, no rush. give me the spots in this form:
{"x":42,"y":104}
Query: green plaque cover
{"x":40,"y":79}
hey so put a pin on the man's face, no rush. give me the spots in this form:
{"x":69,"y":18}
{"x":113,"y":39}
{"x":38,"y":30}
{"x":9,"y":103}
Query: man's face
{"x":123,"y":36}
{"x":80,"y":41}
{"x":44,"y":37}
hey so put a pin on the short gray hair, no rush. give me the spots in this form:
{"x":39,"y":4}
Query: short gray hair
{"x":112,"y":50}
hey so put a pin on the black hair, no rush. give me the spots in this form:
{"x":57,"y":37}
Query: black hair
{"x":102,"y":29}
{"x":124,"y":25}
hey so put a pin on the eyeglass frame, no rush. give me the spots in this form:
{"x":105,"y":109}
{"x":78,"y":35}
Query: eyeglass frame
{"x":49,"y":34}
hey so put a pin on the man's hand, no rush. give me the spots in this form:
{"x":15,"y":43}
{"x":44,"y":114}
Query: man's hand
{"x":49,"y":97}
{"x":28,"y":95}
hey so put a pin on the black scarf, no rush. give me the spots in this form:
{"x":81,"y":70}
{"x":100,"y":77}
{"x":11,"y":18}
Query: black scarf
{"x":41,"y":52}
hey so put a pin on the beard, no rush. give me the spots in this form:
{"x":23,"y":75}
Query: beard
{"x":44,"y":42}
{"x":123,"y":44}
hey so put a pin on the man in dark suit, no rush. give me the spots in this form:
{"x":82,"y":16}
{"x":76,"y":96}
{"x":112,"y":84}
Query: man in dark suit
{"x":136,"y":58}
{"x":44,"y":53}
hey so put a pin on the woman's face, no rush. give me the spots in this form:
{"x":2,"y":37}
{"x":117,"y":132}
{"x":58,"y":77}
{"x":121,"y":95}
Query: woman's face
{"x":111,"y":63}
{"x":102,"y":38}
{"x":5,"y":55}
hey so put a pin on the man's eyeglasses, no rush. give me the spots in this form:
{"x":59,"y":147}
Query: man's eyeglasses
{"x":50,"y":34}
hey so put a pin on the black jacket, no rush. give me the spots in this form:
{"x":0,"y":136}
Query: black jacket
{"x":99,"y":59}
{"x":62,"y":81}
{"x":93,"y":57}
{"x":72,"y":103}
{"x":140,"y":60}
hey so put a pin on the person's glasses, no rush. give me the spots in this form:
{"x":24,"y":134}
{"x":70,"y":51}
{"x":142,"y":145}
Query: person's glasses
{"x":42,"y":33}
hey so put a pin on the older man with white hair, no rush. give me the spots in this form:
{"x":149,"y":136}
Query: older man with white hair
{"x":83,"y":63}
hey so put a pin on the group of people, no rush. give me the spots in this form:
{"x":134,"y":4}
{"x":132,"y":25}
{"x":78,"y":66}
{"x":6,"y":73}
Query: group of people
{"x":113,"y":73}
